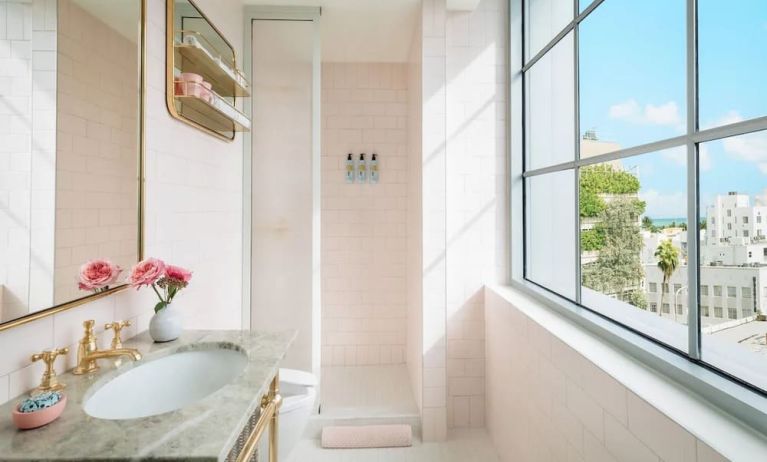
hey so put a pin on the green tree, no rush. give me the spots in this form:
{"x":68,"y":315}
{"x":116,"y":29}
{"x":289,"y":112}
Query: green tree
{"x":603,"y":179}
{"x":668,"y":261}
{"x":618,"y":268}
{"x":647,"y":222}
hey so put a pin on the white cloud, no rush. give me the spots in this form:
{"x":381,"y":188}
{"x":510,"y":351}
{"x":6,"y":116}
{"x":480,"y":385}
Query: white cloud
{"x":678,"y":155}
{"x":626,"y":110}
{"x":664,"y":205}
{"x":751,"y":147}
{"x":666,"y":114}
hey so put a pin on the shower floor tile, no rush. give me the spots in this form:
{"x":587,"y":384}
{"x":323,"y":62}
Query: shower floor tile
{"x":366,"y":392}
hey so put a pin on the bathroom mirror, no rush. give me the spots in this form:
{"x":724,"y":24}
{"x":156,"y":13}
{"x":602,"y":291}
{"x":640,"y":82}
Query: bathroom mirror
{"x":203,"y":80}
{"x":71,"y":149}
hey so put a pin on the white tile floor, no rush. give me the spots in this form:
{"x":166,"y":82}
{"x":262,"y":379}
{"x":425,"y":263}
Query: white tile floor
{"x":461,"y":446}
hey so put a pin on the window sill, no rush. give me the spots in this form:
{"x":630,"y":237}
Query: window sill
{"x":729,"y":417}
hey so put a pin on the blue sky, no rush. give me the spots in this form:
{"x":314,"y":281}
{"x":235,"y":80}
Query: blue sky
{"x":632,"y":91}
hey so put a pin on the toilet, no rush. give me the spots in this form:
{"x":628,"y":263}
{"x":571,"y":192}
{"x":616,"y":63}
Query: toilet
{"x":299,"y":393}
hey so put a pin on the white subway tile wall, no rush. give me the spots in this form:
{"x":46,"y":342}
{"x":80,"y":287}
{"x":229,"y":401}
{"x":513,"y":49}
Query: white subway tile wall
{"x":546,"y":401}
{"x":475,"y":44}
{"x":193,"y":218}
{"x":433,"y":220}
{"x":364,"y":225}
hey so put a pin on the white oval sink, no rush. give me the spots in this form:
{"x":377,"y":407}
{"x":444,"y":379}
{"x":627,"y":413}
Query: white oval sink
{"x":165,"y":384}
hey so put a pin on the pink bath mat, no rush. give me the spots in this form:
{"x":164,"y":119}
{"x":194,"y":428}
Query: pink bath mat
{"x":367,"y":436}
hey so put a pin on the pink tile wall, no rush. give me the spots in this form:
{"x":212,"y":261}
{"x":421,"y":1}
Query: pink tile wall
{"x":476,"y":153}
{"x":547,"y":402}
{"x":364,"y":226}
{"x":97,"y":139}
{"x":193,"y":218}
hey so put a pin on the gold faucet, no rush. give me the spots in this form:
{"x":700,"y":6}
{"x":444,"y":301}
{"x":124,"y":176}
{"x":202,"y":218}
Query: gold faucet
{"x":88,"y":352}
{"x":50,"y":381}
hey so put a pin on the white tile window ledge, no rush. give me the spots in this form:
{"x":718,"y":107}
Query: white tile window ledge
{"x":730,"y":418}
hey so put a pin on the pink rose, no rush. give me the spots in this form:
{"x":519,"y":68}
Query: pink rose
{"x":178,"y":274}
{"x":147,"y":272}
{"x":97,"y":274}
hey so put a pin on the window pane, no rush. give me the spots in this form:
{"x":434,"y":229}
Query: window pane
{"x":551,"y":107}
{"x":731,"y":64}
{"x":634,"y":243}
{"x":550,"y":231}
{"x":733,"y":254}
{"x":632,"y":73}
{"x":545,"y":19}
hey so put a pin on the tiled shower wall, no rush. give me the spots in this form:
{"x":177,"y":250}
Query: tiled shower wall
{"x":364,"y":226}
{"x":476,"y":196}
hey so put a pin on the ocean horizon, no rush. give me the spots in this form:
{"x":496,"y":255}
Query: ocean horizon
{"x":659,"y":222}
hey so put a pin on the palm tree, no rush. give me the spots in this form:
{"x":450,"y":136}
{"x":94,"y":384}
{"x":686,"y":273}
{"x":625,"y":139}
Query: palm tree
{"x":668,"y":260}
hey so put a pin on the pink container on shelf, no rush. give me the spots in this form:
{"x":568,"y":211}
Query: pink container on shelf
{"x":191,"y":77}
{"x":30,"y":420}
{"x":207,"y":95}
{"x":179,"y":87}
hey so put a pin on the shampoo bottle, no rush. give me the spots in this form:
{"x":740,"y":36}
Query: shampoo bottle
{"x":349,"y":168}
{"x":362,"y":169}
{"x":374,"y":169}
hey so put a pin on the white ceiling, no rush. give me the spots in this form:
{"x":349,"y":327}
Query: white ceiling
{"x":362,"y":30}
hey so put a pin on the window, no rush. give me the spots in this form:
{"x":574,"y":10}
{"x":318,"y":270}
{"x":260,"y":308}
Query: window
{"x":718,"y":312}
{"x":732,"y":313}
{"x":607,"y":183}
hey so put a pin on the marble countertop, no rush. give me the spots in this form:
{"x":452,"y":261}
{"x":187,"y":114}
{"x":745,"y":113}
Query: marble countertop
{"x":203,"y":431}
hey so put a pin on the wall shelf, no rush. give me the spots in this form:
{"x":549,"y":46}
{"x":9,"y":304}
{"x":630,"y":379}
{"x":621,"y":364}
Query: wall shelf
{"x":193,"y":56}
{"x":214,"y":113}
{"x":207,"y":96}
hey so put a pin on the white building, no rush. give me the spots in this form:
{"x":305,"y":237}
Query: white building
{"x":732,"y":219}
{"x":726,"y":293}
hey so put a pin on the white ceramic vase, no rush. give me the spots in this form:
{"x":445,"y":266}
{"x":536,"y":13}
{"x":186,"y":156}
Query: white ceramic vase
{"x":166,"y":324}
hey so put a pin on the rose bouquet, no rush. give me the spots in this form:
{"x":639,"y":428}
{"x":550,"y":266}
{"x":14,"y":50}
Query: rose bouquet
{"x":98,"y":275}
{"x":166,"y":280}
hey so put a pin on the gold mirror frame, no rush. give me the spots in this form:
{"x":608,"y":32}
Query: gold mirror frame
{"x":141,"y":151}
{"x":170,"y":64}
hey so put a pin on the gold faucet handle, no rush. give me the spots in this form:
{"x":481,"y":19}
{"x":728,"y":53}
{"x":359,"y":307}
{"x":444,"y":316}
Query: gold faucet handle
{"x":50,"y":381}
{"x":117,"y":327}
